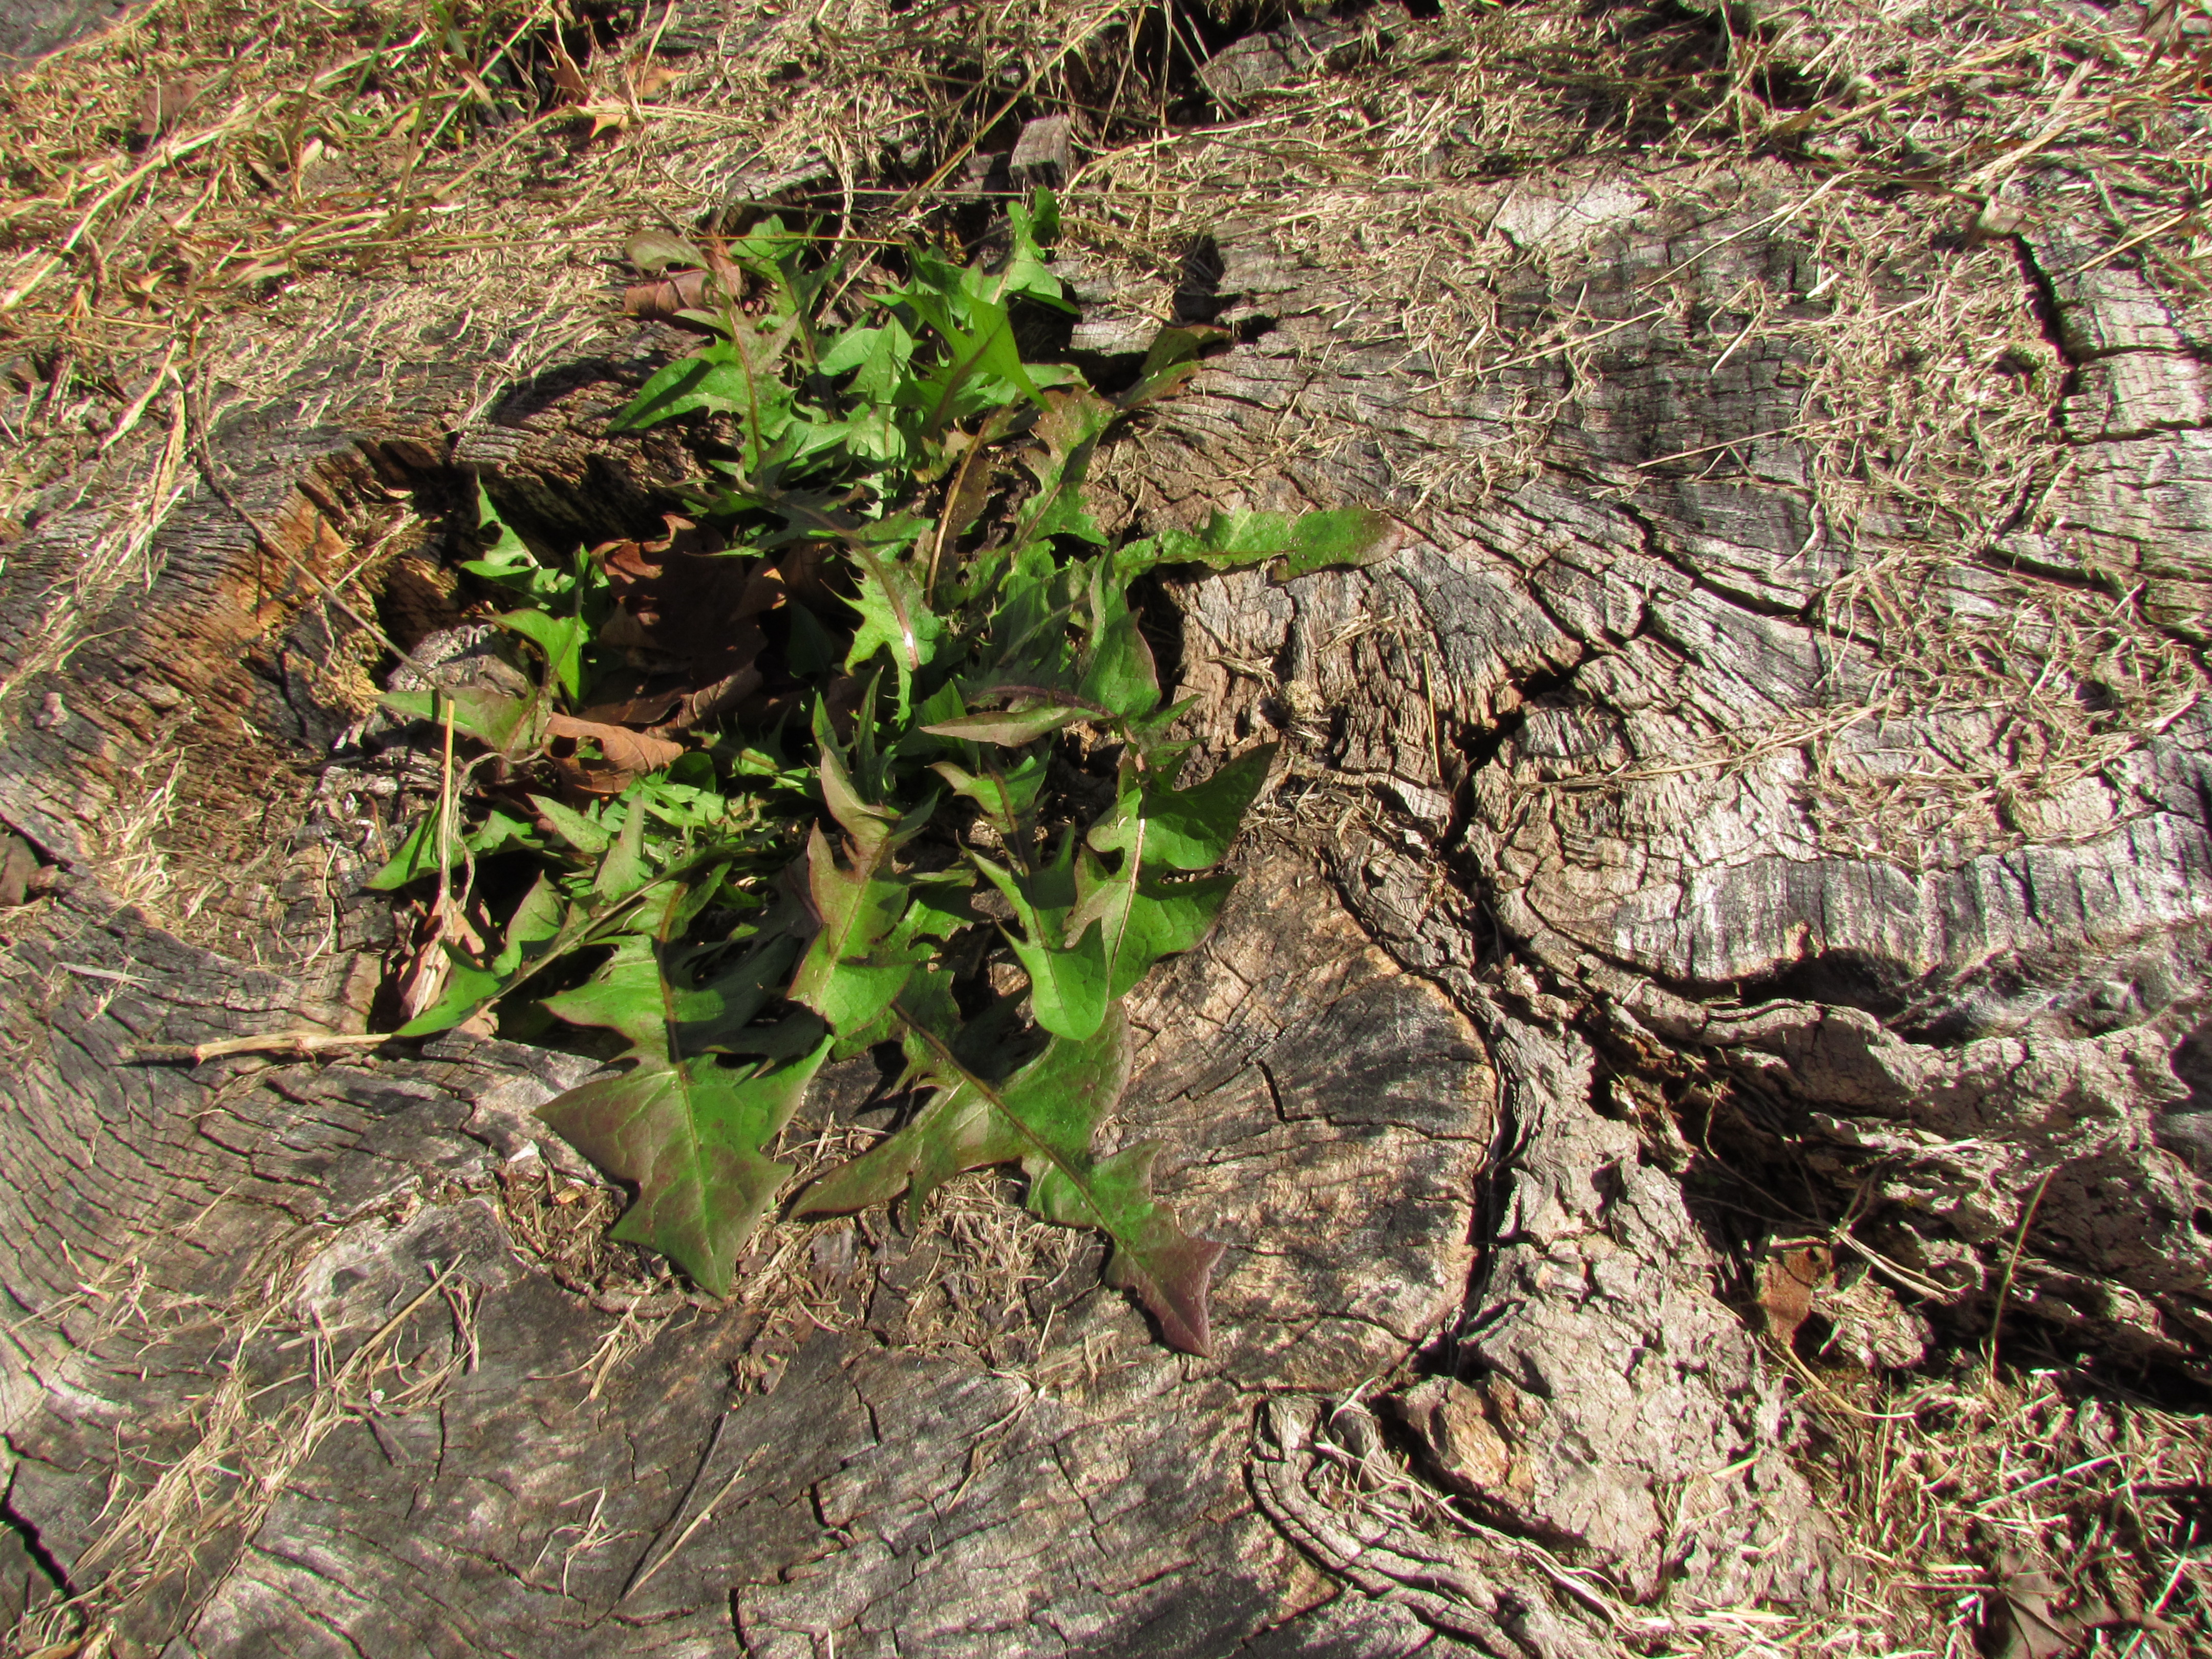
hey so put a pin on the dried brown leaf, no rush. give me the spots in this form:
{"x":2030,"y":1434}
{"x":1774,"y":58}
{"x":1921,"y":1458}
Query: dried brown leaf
{"x":664,"y":299}
{"x":624,"y":700}
{"x":567,"y":78}
{"x":164,"y":103}
{"x":633,"y":752}
{"x":2032,"y":1627}
{"x":1787,"y":1281}
{"x":685,"y":608}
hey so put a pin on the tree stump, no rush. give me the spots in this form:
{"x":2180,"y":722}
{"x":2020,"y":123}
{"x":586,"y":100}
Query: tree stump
{"x":1636,"y":903}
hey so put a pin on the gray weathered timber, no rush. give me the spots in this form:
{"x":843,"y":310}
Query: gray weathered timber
{"x":1566,"y":924}
{"x":251,"y":1230}
{"x":1972,"y":1028}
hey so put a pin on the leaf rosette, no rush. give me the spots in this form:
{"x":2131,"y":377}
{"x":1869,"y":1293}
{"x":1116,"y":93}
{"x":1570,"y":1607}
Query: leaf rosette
{"x":798,"y":779}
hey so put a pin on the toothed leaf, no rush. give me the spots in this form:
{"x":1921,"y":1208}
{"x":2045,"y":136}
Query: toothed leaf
{"x":1044,"y":1114}
{"x":1183,"y":828}
{"x":856,"y":963}
{"x":688,"y":1136}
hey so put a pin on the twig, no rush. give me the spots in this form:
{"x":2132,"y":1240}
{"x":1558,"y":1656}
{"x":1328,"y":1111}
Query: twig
{"x":705,"y":1514}
{"x":302,"y":1043}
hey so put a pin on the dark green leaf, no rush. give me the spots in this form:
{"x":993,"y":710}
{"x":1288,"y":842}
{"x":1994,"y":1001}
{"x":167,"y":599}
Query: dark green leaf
{"x":468,"y":987}
{"x":869,"y":826}
{"x":1068,"y":990}
{"x":1182,"y":829}
{"x":1035,"y":228}
{"x":1008,"y":727}
{"x":1348,"y":536}
{"x":645,"y":991}
{"x":739,"y":376}
{"x":688,"y":1136}
{"x":1068,"y":433}
{"x":1166,"y":1268}
{"x":534,"y":938}
{"x":624,"y":868}
{"x":894,"y":616}
{"x":1067,"y":983}
{"x":1044,"y":1115}
{"x":686,"y":1130}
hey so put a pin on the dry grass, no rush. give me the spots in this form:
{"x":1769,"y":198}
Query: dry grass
{"x":232,"y":1451}
{"x":149,"y":274}
{"x":1964,"y":1506}
{"x":1951,"y":1488}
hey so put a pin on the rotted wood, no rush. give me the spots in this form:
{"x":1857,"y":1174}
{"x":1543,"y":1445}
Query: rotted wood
{"x":1508,"y":926}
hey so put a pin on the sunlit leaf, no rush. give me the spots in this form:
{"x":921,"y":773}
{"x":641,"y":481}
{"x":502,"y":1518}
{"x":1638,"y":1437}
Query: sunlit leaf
{"x":859,"y":465}
{"x":654,"y":251}
{"x":856,"y":965}
{"x":688,"y":1136}
{"x":1119,"y":674}
{"x":1008,"y":727}
{"x":1144,"y":917}
{"x":510,"y":723}
{"x":1044,"y":1115}
{"x":418,"y":856}
{"x":1182,"y":829}
{"x":1347,"y":537}
{"x":1005,"y":798}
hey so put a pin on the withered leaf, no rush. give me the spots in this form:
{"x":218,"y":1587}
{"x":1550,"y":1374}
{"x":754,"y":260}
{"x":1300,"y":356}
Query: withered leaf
{"x":1787,"y":1281}
{"x":633,"y":752}
{"x":687,"y":608}
{"x":2031,"y":1628}
{"x":606,"y":114}
{"x":664,"y":299}
{"x":17,"y":865}
{"x":162,"y":104}
{"x":567,"y":77}
{"x":625,"y":701}
{"x":713,"y":701}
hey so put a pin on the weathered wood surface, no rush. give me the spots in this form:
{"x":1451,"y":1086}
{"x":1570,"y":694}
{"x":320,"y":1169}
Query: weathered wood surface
{"x":1634,"y":651}
{"x":1552,"y":880}
{"x":1332,"y":1112}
